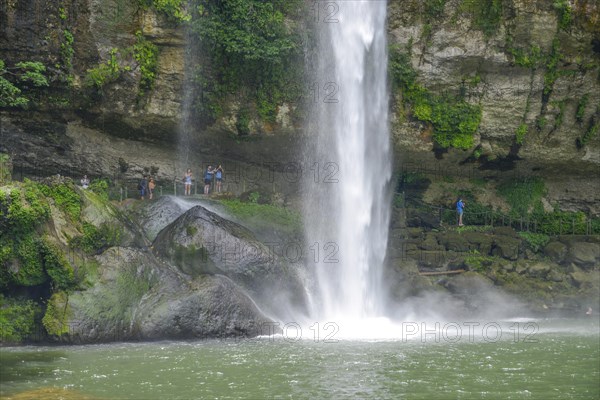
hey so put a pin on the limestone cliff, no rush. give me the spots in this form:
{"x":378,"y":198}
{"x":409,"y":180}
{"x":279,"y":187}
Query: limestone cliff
{"x":532,"y":69}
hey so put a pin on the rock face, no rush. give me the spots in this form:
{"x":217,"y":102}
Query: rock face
{"x":201,"y":242}
{"x":585,"y":255}
{"x":138,"y":297}
{"x":88,"y":132}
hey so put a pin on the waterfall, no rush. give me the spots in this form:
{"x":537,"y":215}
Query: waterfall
{"x":346,"y":196}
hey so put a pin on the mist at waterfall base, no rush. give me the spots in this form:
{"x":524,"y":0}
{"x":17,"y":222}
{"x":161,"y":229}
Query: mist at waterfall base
{"x":349,"y":207}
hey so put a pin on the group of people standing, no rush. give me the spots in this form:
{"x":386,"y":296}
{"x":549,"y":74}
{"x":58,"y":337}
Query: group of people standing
{"x":209,"y":174}
{"x":146,"y":187}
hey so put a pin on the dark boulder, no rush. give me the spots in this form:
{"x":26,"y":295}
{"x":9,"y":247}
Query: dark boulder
{"x":201,"y":242}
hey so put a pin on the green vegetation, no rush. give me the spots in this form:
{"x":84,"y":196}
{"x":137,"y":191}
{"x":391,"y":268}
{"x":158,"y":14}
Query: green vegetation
{"x":540,"y":123}
{"x":454,"y":121}
{"x":530,"y":58}
{"x":104,"y":73}
{"x":253,"y":197}
{"x":5,"y":168}
{"x":65,"y":197}
{"x":25,"y":258}
{"x":589,"y":134}
{"x":520,"y":133}
{"x":552,"y":72}
{"x":146,"y":55}
{"x":57,"y":314}
{"x":130,"y":285}
{"x":174,"y":10}
{"x":478,"y":262}
{"x":485,"y":15}
{"x":100,"y":187}
{"x":254,"y":52}
{"x":243,"y":122}
{"x":17,"y":319}
{"x":434,"y":9}
{"x":66,"y":49}
{"x":25,"y":75}
{"x":22,"y":209}
{"x":522,"y":195}
{"x":536,"y":241}
{"x":33,"y":72}
{"x":561,"y":222}
{"x":564,"y":13}
{"x":57,"y":267}
{"x":561,"y":114}
{"x":583,"y":102}
{"x":94,"y":240}
{"x":33,"y":263}
{"x":267,"y":214}
{"x":191,"y":230}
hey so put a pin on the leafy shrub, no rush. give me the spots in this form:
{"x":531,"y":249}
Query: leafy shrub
{"x":146,"y":55}
{"x":528,"y":59}
{"x":252,"y":46}
{"x":21,"y":209}
{"x":100,"y":187}
{"x":104,"y":73}
{"x":172,"y":9}
{"x":520,"y":134}
{"x":26,"y":74}
{"x":561,"y":223}
{"x":17,"y":319}
{"x":564,"y":13}
{"x":33,"y":72}
{"x":95,"y":240}
{"x":589,"y":134}
{"x":454,"y":120}
{"x":535,"y":240}
{"x":65,"y":197}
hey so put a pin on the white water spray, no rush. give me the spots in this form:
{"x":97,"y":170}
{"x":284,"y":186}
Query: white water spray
{"x":347,"y":215}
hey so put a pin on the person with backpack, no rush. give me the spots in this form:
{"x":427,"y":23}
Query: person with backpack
{"x":143,"y":187}
{"x":460,"y":206}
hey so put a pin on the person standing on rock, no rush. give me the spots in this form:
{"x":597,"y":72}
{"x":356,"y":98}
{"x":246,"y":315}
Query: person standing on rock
{"x":219,"y":177}
{"x":187,"y":182}
{"x":143,"y":187}
{"x":460,"y":205}
{"x":208,"y":177}
{"x":151,"y":186}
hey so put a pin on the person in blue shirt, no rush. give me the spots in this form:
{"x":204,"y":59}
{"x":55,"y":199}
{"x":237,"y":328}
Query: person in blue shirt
{"x":219,"y":177}
{"x":143,"y":187}
{"x":208,"y":177}
{"x":460,"y":206}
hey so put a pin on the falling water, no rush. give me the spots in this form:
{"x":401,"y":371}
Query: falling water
{"x":347,"y":210}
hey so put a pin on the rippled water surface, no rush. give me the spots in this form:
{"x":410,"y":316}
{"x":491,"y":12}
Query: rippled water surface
{"x":560,"y":361}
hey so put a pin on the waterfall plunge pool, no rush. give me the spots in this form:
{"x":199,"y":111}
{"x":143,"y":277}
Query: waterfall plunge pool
{"x":560,"y":360}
